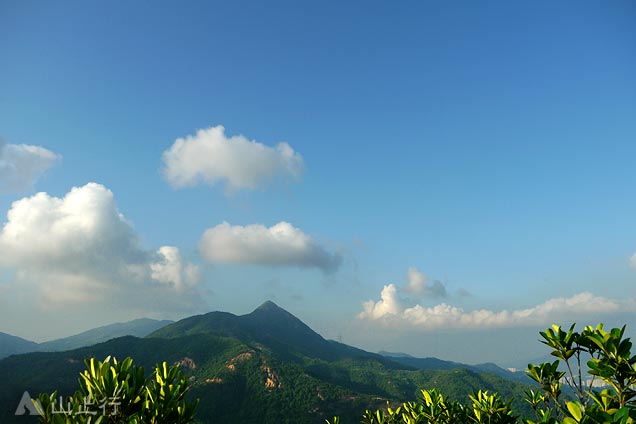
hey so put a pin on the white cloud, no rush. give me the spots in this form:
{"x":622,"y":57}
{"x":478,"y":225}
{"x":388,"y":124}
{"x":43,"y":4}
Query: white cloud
{"x":632,"y":260}
{"x":81,"y":231}
{"x":22,"y":164}
{"x":419,"y":286}
{"x":211,"y":157}
{"x":389,"y":305}
{"x":80,"y":248}
{"x":389,"y":311}
{"x":170,"y":268}
{"x":279,"y":245}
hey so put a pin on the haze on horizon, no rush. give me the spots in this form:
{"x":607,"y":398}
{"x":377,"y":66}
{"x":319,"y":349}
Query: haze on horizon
{"x":441,"y":179}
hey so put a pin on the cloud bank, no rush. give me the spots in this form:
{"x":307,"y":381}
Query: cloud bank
{"x":279,"y":245}
{"x":390,"y":310}
{"x":211,"y":157}
{"x":22,"y":164}
{"x":80,"y":248}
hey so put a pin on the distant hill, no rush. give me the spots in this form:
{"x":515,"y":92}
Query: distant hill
{"x":424,"y":363}
{"x":395,"y":354}
{"x":489,"y":367}
{"x":523,"y":363}
{"x":138,"y":328}
{"x":263,"y":367}
{"x":439,"y":364}
{"x":12,"y":345}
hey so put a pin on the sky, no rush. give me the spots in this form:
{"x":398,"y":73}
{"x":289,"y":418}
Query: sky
{"x":441,"y":178}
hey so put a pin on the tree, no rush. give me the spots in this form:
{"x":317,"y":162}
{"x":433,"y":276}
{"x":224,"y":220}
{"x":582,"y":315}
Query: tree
{"x":609,"y":359}
{"x":119,"y":392}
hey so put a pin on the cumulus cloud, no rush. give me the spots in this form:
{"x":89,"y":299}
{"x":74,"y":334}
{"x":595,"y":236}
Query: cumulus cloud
{"x":279,"y":245}
{"x":22,"y":164}
{"x":632,"y":260}
{"x":388,"y":305}
{"x":211,"y":157}
{"x":418,"y":285}
{"x":170,"y":268}
{"x":80,"y":248}
{"x":389,"y":310}
{"x":80,"y":231}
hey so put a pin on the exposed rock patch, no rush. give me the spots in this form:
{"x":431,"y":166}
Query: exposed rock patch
{"x":242,"y":357}
{"x":186,"y":363}
{"x":272,"y":380}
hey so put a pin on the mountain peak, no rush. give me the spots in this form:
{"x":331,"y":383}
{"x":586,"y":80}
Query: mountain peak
{"x":268,"y":325}
{"x":268,"y":305}
{"x":271,"y":311}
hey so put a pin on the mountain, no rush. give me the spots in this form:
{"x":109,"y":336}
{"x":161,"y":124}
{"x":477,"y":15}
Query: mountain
{"x":271,"y":326}
{"x":138,"y":328}
{"x":424,"y":363}
{"x":395,"y":354}
{"x":523,"y":363}
{"x":263,"y":367}
{"x":12,"y":345}
{"x":440,"y":364}
{"x":489,"y":367}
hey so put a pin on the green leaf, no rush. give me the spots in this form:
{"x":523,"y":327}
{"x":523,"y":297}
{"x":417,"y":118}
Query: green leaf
{"x":576,"y":409}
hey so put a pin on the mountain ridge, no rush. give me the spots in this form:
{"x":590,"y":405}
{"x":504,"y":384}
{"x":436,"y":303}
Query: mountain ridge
{"x":140,"y":327}
{"x":266,"y":366}
{"x":431,"y":363}
{"x":14,"y":345}
{"x":268,"y":324}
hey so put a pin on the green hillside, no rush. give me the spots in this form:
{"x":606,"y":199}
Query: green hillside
{"x":271,"y":326}
{"x":263,"y":367}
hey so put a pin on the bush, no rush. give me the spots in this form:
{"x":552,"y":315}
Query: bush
{"x":119,"y":392}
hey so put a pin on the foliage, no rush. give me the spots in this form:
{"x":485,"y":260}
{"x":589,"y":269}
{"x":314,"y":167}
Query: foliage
{"x":606,"y":354}
{"x":433,"y":407}
{"x":119,"y":392}
{"x":609,"y":360}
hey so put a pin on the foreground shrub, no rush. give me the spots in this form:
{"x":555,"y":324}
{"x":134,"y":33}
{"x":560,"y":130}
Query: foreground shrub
{"x":119,"y":392}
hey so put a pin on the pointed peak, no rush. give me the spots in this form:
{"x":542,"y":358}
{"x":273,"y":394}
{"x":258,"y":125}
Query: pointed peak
{"x":268,"y":305}
{"x":270,"y":309}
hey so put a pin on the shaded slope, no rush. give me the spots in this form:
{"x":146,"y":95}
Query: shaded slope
{"x":138,"y":328}
{"x":13,"y":345}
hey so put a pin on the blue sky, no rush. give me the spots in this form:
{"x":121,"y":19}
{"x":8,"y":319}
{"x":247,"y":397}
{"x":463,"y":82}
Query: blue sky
{"x":488,"y":146}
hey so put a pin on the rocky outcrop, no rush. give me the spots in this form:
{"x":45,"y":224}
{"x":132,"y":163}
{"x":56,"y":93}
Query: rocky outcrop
{"x":271,"y":379}
{"x":186,"y":363}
